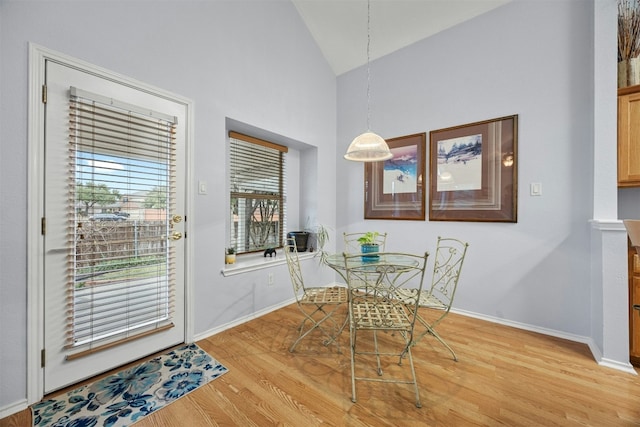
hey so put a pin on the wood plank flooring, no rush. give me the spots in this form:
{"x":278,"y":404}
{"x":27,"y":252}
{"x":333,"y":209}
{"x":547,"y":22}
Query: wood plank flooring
{"x":504,"y":377}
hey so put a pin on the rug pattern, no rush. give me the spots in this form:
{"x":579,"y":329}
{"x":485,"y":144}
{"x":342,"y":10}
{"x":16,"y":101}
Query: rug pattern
{"x":123,"y":398}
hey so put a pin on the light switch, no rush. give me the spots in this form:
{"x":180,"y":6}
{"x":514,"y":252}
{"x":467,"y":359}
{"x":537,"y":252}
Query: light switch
{"x":536,"y":189}
{"x":202,"y":187}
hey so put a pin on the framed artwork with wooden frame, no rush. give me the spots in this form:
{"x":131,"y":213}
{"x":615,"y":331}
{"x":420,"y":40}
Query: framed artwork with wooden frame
{"x":393,"y":189}
{"x":473,"y":175}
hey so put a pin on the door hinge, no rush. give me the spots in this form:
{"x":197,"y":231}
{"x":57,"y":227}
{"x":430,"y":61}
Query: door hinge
{"x":185,"y":234}
{"x":43,"y":357}
{"x":43,"y":225}
{"x":44,"y":94}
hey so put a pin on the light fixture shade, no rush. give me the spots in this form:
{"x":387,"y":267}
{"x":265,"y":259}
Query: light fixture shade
{"x":368,"y":147}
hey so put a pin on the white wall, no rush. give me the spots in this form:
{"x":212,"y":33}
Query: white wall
{"x":251,"y":61}
{"x":531,"y":58}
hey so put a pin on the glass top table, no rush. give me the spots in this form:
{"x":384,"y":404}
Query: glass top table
{"x":370,"y":262}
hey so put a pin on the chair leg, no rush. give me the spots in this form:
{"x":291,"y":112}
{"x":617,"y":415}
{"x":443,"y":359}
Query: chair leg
{"x":317,"y":325}
{"x":375,"y":346}
{"x":415,"y":381}
{"x":430,"y":330}
{"x":352,"y":339}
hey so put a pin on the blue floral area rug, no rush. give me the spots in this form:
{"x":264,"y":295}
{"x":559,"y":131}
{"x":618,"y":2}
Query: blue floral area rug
{"x":123,"y":398}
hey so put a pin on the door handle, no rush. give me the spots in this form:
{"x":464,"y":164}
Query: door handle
{"x":176,"y":235}
{"x":636,"y":307}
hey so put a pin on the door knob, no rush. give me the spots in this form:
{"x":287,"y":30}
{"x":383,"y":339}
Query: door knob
{"x":176,"y":235}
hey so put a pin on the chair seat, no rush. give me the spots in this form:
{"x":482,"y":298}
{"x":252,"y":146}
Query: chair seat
{"x":325,"y":295}
{"x":408,"y":296}
{"x":374,"y":315}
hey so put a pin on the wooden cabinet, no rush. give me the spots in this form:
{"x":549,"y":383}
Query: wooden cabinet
{"x":634,"y":298}
{"x":629,"y":136}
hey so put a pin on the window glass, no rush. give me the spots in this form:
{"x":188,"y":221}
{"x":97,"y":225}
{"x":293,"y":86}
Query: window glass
{"x":257,"y":189}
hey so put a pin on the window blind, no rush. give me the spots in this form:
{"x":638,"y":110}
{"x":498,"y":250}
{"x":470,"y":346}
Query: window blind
{"x":121,"y":269}
{"x":257,"y":193}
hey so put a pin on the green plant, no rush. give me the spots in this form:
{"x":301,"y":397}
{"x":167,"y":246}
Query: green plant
{"x":231,"y":251}
{"x":322,"y":238}
{"x":369,"y":238}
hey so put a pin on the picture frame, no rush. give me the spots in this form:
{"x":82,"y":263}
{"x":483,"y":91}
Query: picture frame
{"x":473,"y":171}
{"x":394,"y":188}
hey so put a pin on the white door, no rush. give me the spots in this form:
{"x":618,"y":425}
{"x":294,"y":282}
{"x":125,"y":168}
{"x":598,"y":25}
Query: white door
{"x":114,"y":219}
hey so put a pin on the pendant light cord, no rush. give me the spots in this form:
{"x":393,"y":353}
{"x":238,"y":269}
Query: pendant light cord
{"x":368,"y":67}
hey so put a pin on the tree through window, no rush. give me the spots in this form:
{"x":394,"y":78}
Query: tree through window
{"x":257,"y":176}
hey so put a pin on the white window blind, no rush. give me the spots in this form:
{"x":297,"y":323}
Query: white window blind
{"x":122,"y":185}
{"x":257,"y":193}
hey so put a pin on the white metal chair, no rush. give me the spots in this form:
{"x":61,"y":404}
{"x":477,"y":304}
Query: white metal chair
{"x":448,"y":260}
{"x":352,"y":246}
{"x":377,"y":310}
{"x":317,"y":304}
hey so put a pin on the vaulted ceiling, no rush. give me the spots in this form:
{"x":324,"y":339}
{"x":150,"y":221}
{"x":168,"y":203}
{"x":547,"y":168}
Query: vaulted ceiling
{"x":340,"y":26}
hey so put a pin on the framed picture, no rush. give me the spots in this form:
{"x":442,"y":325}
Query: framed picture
{"x":393,"y":189}
{"x":473,"y":175}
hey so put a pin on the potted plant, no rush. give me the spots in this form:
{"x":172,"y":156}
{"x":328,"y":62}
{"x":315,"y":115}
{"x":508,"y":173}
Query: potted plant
{"x":322,"y":238}
{"x":368,"y":244}
{"x":230,"y":256}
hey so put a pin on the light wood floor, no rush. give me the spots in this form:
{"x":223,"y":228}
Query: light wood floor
{"x":504,"y":376}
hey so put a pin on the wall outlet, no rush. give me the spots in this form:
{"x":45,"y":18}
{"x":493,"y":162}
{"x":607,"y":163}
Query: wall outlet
{"x":270,"y":279}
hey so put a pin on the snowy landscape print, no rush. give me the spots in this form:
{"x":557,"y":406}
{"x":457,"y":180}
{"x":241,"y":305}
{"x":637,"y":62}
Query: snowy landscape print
{"x":401,"y":171}
{"x":460,"y":163}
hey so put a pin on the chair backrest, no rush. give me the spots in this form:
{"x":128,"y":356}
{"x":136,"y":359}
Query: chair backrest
{"x":295,"y":272}
{"x":386,"y":278}
{"x":447,"y":265}
{"x":352,"y":246}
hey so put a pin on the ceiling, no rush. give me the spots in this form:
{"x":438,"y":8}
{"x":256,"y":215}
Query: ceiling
{"x":340,"y":26}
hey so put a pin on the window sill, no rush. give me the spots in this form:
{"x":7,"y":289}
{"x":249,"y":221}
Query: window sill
{"x":253,"y":262}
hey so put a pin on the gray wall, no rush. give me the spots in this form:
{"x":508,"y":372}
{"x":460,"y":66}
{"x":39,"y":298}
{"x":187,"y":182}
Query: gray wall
{"x":251,"y":61}
{"x":531,"y":58}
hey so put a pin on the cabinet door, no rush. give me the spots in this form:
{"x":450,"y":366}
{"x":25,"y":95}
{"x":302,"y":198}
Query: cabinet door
{"x":629,"y":140}
{"x":634,"y":315}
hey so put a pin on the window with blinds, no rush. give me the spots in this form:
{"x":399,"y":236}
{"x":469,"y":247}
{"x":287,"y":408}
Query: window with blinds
{"x":122,"y":186}
{"x":257,"y":193}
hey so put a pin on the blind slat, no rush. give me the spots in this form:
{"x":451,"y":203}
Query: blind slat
{"x":120,"y":275}
{"x":257,"y":193}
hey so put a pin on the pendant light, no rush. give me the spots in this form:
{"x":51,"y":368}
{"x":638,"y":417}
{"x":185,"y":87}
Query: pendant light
{"x":368,"y":147}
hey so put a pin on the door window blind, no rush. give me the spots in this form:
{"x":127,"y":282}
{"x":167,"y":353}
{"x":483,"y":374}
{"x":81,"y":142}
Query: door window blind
{"x":257,"y":193}
{"x":121,"y":269}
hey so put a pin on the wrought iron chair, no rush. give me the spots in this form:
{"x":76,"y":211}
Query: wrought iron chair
{"x":317,"y":304}
{"x":449,"y":257}
{"x":352,"y":246}
{"x":377,"y":310}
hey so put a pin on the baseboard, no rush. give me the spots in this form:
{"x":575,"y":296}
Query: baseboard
{"x":614,"y":364}
{"x":241,"y":320}
{"x":524,"y":326}
{"x":13,"y":408}
{"x":595,"y":351}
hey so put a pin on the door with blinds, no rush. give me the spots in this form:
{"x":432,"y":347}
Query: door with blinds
{"x":113,"y":224}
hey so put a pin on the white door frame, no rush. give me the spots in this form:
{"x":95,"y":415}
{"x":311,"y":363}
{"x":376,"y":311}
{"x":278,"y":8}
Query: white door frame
{"x":38,"y":55}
